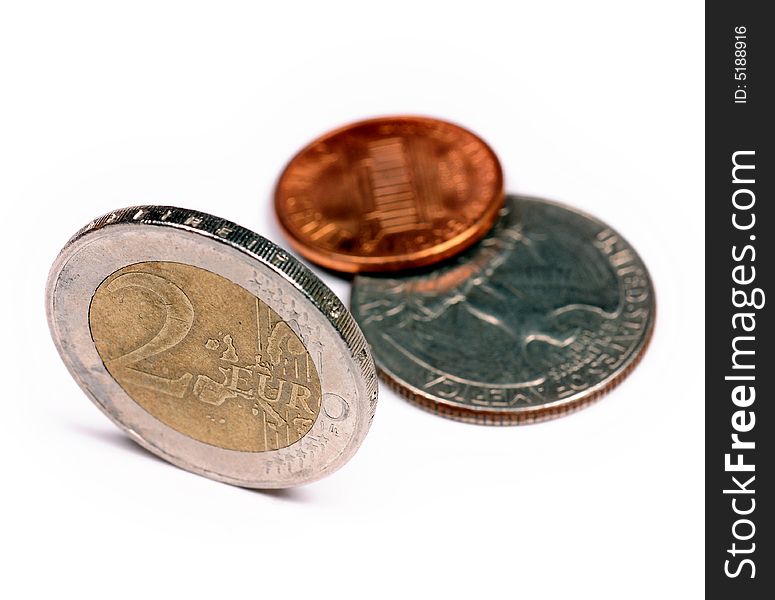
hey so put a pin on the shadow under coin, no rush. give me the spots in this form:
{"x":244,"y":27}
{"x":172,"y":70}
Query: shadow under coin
{"x":284,"y":494}
{"x":115,"y":438}
{"x":118,"y":439}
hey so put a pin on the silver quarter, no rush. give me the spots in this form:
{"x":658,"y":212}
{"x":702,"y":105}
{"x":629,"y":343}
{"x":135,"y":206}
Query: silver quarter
{"x":211,"y":347}
{"x":552,"y":309}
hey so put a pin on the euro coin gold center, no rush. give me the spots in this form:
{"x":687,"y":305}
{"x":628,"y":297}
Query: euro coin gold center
{"x":205,"y":356}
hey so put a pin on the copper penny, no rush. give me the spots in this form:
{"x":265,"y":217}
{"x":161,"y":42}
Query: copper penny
{"x":389,"y":193}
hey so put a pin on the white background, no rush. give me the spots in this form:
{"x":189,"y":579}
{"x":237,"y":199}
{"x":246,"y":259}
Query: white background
{"x":599,"y":105}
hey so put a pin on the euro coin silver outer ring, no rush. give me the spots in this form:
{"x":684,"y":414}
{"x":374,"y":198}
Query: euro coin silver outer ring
{"x":162,"y":233}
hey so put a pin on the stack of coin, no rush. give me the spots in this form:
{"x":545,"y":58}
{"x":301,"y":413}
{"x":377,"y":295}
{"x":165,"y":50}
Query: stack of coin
{"x":220,"y":352}
{"x":480,"y":307}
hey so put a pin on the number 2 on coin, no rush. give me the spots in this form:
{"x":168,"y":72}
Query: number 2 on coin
{"x":177,"y":323}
